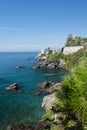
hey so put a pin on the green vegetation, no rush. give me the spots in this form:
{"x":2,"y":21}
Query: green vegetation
{"x":43,"y":54}
{"x":71,"y":105}
{"x":47,"y":115}
{"x":73,"y":96}
{"x":73,"y":59}
{"x":54,"y":56}
{"x":77,"y":41}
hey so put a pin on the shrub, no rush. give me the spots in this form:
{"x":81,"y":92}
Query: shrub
{"x":73,"y":93}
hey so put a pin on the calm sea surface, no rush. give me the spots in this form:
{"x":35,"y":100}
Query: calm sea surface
{"x":21,"y":107}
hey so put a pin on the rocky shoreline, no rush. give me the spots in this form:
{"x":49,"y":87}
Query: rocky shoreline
{"x":47,"y":103}
{"x":45,"y":125}
{"x":47,"y":87}
{"x":50,"y":65}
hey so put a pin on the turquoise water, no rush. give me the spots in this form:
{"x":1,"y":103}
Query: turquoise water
{"x":21,"y":107}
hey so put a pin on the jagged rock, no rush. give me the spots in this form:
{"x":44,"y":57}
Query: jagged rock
{"x":40,"y":57}
{"x":47,"y":65}
{"x":49,"y":87}
{"x":18,"y":67}
{"x":13,"y":87}
{"x":51,"y":65}
{"x":35,"y":67}
{"x":44,"y":87}
{"x":45,"y":84}
{"x":53,"y":88}
{"x":43,"y":65}
{"x":48,"y":101}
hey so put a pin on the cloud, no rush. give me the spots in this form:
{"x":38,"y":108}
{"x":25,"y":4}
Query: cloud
{"x":10,"y":29}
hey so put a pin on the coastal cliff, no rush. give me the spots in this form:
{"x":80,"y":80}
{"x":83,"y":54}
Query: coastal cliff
{"x":64,"y":102}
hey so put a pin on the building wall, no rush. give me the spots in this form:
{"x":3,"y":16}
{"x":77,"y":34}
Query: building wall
{"x":71,"y":49}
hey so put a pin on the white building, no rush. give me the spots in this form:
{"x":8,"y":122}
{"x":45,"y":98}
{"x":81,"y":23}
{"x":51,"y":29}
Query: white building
{"x":45,"y":50}
{"x":42,"y":51}
{"x":71,"y":49}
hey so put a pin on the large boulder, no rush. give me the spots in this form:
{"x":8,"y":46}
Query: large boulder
{"x":51,"y":65}
{"x":48,"y":101}
{"x":49,"y":87}
{"x":57,"y":86}
{"x":43,"y":65}
{"x":53,"y":88}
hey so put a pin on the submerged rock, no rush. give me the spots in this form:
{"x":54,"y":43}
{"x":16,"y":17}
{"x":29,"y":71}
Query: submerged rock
{"x":26,"y":59}
{"x":37,"y":92}
{"x":51,"y":74}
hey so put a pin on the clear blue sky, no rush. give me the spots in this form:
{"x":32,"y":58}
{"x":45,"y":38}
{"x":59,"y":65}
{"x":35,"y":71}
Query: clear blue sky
{"x":34,"y":24}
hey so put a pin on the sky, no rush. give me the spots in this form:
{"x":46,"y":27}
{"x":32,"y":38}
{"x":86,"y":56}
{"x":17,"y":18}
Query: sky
{"x":31,"y":25}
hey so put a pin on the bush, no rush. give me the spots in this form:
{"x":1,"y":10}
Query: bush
{"x":73,"y":59}
{"x":73,"y":93}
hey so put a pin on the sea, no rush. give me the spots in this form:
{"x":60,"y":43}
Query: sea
{"x":22,"y":107}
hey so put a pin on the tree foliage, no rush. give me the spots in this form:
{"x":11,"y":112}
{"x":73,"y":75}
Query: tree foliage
{"x":77,"y":41}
